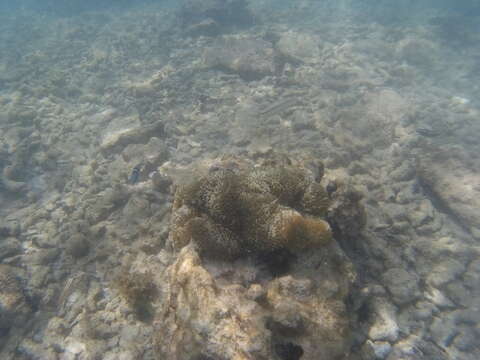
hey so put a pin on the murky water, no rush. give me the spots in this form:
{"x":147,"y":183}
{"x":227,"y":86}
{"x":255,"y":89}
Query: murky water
{"x":229,"y":179}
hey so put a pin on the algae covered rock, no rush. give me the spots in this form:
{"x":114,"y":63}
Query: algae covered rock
{"x":446,"y":175}
{"x":250,"y":58}
{"x":116,"y":141}
{"x":299,"y":312}
{"x":347,"y":212}
{"x":417,"y":52}
{"x":223,"y":13}
{"x":9,"y":246}
{"x":138,"y":289}
{"x":299,"y":47}
{"x":77,"y":246}
{"x":202,"y":318}
{"x":207,"y":315}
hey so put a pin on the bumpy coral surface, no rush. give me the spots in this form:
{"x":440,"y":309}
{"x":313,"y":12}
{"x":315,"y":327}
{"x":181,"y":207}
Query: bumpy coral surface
{"x":208,"y":315}
{"x":234,"y":212}
{"x":200,"y":317}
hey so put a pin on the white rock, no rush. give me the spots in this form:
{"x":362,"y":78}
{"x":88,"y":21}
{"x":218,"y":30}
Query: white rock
{"x":381,"y":349}
{"x":375,"y":350}
{"x":73,"y":346}
{"x":402,"y":285}
{"x":443,"y":331}
{"x":300,"y":47}
{"x":445,"y":272}
{"x":385,"y":325}
{"x":438,"y":298}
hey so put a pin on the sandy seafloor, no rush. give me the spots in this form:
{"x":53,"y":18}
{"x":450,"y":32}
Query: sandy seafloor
{"x":389,"y":106}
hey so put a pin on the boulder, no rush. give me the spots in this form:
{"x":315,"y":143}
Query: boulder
{"x":250,"y":58}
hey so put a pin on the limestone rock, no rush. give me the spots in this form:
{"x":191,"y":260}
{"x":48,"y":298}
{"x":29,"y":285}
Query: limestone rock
{"x":116,"y":141}
{"x":376,"y":349}
{"x":225,"y":13}
{"x":452,"y":182}
{"x":417,"y":52}
{"x":415,"y":348}
{"x":9,"y":246}
{"x":319,"y":325}
{"x":101,"y":206}
{"x":445,"y":272}
{"x":136,"y":210}
{"x":438,"y":298}
{"x":384,"y":326}
{"x":347,"y":211}
{"x":77,"y":245}
{"x":12,"y":185}
{"x":201,"y":318}
{"x":206,"y":314}
{"x":443,"y":330}
{"x":299,"y":47}
{"x":248,"y":57}
{"x":402,"y":284}
{"x":207,"y":27}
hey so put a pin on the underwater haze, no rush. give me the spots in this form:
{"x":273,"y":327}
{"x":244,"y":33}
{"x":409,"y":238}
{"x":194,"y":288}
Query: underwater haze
{"x":239,"y":180}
